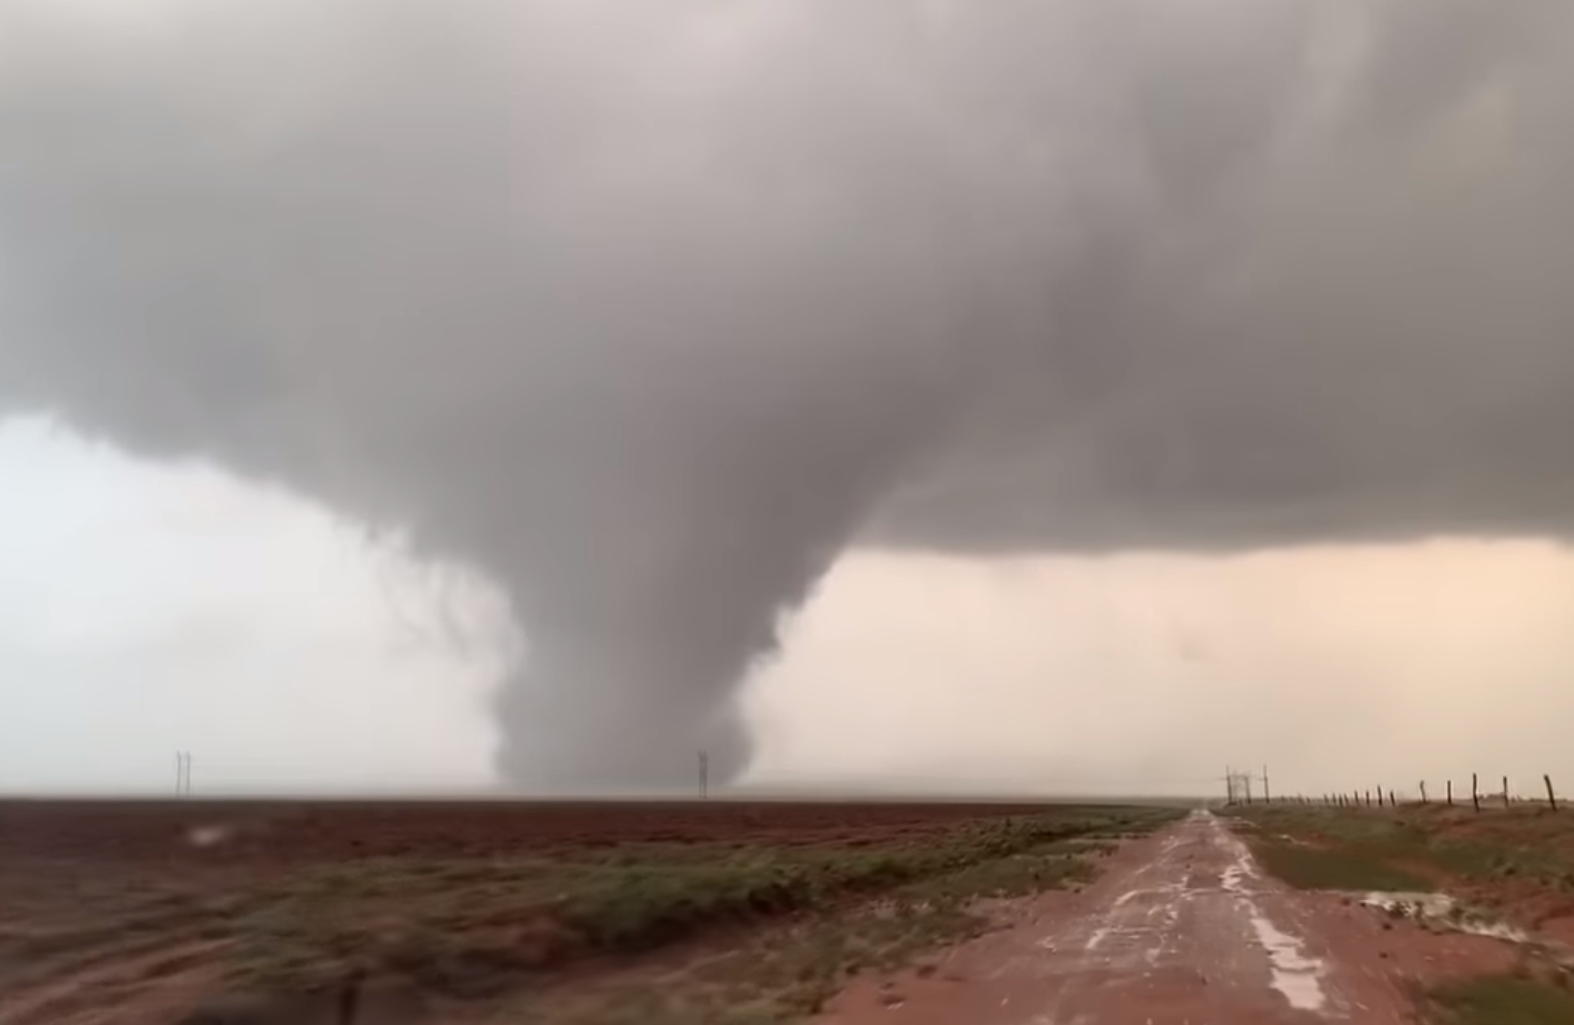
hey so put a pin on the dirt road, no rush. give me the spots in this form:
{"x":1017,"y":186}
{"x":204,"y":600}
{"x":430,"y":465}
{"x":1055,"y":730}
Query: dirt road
{"x":1182,"y":929}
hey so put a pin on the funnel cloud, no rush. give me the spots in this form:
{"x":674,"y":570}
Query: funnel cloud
{"x":650,"y":311}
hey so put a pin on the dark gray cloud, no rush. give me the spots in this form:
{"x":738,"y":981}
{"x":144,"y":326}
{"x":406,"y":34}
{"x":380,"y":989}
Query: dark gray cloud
{"x":649,"y":310}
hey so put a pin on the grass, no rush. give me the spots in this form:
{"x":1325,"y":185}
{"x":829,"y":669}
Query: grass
{"x":745,"y":931}
{"x":1311,"y":868}
{"x":774,"y":976}
{"x":1503,"y":1000}
{"x":1512,"y":847}
{"x":455,"y":928}
{"x":1333,"y":849}
{"x":640,"y":905}
{"x":1371,"y":849}
{"x":752,"y":924}
{"x":782,"y":975}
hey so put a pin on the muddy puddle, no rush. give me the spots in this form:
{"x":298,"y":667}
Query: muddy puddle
{"x":1441,"y":911}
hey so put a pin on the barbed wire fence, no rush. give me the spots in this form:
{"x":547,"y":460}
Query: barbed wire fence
{"x":1239,"y":791}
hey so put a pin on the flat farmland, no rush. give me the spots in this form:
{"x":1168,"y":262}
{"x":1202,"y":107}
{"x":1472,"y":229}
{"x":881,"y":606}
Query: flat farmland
{"x":155,"y":913}
{"x":329,"y":830}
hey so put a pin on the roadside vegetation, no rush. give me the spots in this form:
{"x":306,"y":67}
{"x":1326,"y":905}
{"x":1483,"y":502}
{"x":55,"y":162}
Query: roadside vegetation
{"x":1509,"y":859}
{"x":1413,"y":846}
{"x":734,"y":913}
{"x":574,"y":913}
{"x":478,"y":929}
{"x":784,"y":973}
{"x":1502,"y":1000}
{"x":1316,"y":868}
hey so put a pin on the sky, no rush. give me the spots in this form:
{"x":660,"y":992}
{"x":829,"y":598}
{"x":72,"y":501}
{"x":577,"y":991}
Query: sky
{"x":149,"y":608}
{"x":1178,"y":376}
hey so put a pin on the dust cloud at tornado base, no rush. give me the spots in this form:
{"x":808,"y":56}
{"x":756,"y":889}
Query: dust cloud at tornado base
{"x":647,"y":312}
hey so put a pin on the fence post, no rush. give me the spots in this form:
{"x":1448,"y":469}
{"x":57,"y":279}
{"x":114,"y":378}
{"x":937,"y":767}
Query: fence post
{"x":1423,"y":791}
{"x":1552,"y":798}
{"x":1475,"y":793}
{"x":1505,"y":792}
{"x":1450,"y":793}
{"x":1393,"y":799}
{"x":1368,"y":798}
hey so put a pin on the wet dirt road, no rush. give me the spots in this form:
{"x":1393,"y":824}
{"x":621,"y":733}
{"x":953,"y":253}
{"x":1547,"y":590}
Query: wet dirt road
{"x":1182,"y":928}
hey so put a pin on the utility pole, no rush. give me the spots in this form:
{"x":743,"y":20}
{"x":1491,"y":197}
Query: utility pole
{"x":1267,"y":797}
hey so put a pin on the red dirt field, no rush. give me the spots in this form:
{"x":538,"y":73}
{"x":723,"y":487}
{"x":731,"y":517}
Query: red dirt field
{"x":294,"y":832}
{"x":139,"y":912}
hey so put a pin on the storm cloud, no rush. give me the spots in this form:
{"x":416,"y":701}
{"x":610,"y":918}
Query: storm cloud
{"x":648,"y":311}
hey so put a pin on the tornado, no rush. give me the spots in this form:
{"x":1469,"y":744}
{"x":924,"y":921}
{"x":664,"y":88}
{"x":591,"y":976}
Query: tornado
{"x":648,"y":312}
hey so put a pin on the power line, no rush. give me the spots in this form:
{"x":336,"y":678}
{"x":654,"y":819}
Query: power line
{"x":1238,"y":785}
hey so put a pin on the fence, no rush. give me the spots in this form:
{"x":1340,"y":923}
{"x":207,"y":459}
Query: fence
{"x":1239,"y":786}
